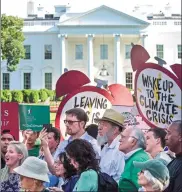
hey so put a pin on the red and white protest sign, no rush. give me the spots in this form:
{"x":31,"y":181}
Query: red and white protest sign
{"x":157,"y":90}
{"x":10,"y":118}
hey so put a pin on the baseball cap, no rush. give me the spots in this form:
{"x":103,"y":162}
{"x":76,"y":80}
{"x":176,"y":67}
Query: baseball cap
{"x":156,"y":168}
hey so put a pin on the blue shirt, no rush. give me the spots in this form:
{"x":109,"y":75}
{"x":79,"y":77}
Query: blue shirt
{"x":85,"y":136}
{"x":112,"y":160}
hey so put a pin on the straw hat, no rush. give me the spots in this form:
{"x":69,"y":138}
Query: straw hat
{"x":34,"y":168}
{"x":113,"y":116}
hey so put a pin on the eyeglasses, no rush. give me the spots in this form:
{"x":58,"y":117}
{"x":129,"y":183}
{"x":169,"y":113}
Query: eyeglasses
{"x":70,"y":122}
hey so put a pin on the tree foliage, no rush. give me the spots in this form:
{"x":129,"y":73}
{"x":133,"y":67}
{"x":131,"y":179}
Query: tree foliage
{"x":12,"y":38}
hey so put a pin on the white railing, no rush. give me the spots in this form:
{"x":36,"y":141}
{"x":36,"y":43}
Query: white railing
{"x":40,"y":23}
{"x":166,"y":23}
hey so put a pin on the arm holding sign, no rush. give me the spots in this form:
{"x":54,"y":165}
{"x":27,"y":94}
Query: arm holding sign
{"x":47,"y":154}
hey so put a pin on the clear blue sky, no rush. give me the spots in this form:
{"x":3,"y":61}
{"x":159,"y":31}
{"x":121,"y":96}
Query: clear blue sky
{"x":19,"y":7}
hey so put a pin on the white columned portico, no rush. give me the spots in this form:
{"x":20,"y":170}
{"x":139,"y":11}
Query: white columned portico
{"x":118,"y":69}
{"x":90,"y":56}
{"x":62,"y":51}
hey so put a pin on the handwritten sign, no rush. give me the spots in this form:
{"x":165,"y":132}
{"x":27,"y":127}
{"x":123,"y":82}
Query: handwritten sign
{"x":94,"y":101}
{"x":158,"y":96}
{"x":9,"y":118}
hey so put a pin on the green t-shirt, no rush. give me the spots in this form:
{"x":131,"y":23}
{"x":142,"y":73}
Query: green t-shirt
{"x":35,"y":150}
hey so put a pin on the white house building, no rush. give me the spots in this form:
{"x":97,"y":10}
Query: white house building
{"x":97,"y":42}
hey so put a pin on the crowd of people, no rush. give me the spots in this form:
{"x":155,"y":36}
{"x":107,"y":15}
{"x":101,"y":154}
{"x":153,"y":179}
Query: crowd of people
{"x":136,"y":160}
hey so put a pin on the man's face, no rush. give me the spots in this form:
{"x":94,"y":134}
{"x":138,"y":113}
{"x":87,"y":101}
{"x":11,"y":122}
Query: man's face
{"x":151,"y":142}
{"x":51,"y":141}
{"x":173,"y":137}
{"x":5,"y":140}
{"x":73,"y":125}
{"x":31,"y":136}
{"x":105,"y":130}
{"x":126,"y":141}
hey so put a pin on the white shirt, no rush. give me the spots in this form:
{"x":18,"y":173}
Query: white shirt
{"x":112,"y":160}
{"x":85,"y":136}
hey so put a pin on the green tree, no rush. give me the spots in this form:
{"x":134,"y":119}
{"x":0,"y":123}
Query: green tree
{"x":12,"y":38}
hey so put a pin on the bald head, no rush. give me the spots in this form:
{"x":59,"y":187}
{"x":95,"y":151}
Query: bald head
{"x":174,"y":137}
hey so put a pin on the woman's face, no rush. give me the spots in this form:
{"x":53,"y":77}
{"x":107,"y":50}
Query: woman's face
{"x":59,"y":168}
{"x":142,"y":179}
{"x":12,"y":158}
{"x":73,"y":162}
{"x":27,"y":183}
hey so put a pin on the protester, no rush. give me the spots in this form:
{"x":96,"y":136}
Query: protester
{"x":15,"y":156}
{"x":109,"y":128}
{"x":75,"y":123}
{"x":6,"y":138}
{"x":132,"y":143}
{"x":154,"y":175}
{"x":82,"y":156}
{"x":92,"y":130}
{"x":65,"y":170}
{"x":174,"y":143}
{"x":33,"y":173}
{"x":155,"y":143}
{"x":32,"y":142}
{"x":53,"y":138}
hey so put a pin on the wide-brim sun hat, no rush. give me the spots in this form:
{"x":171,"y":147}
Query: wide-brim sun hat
{"x":34,"y":168}
{"x":112,"y":116}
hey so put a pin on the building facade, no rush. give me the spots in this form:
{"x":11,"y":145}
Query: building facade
{"x":97,"y":42}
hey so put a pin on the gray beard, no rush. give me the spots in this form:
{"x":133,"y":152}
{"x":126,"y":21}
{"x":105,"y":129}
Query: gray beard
{"x":101,"y":140}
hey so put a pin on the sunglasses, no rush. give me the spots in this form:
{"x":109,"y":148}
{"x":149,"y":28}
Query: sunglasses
{"x":70,"y":122}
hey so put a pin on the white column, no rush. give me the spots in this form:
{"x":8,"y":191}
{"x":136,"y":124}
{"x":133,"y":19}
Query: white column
{"x":118,"y":68}
{"x":62,"y":52}
{"x":90,"y":56}
{"x":143,"y":36}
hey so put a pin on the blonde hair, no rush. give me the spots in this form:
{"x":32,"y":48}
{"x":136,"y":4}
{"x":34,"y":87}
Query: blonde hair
{"x":21,"y":149}
{"x":156,"y":184}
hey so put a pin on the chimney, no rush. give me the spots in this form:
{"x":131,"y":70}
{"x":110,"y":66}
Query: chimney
{"x":168,"y":12}
{"x":40,"y":11}
{"x":30,"y":7}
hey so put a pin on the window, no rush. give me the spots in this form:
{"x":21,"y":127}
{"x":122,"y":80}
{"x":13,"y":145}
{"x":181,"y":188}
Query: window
{"x":79,"y":52}
{"x":48,"y":51}
{"x":27,"y":51}
{"x":160,"y":51}
{"x":27,"y":80}
{"x":48,"y":81}
{"x":129,"y":80}
{"x":103,"y":51}
{"x":127,"y":51}
{"x":179,"y":52}
{"x":6,"y":81}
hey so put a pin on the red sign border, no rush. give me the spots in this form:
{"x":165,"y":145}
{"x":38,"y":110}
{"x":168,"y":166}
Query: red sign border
{"x":157,"y":67}
{"x":80,"y":90}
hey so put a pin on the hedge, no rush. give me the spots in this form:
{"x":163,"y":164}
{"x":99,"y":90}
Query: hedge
{"x":34,"y":96}
{"x":27,"y":95}
{"x":43,"y":95}
{"x":6,"y":96}
{"x":17,"y":96}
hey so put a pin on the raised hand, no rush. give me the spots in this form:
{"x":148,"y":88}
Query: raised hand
{"x":43,"y":138}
